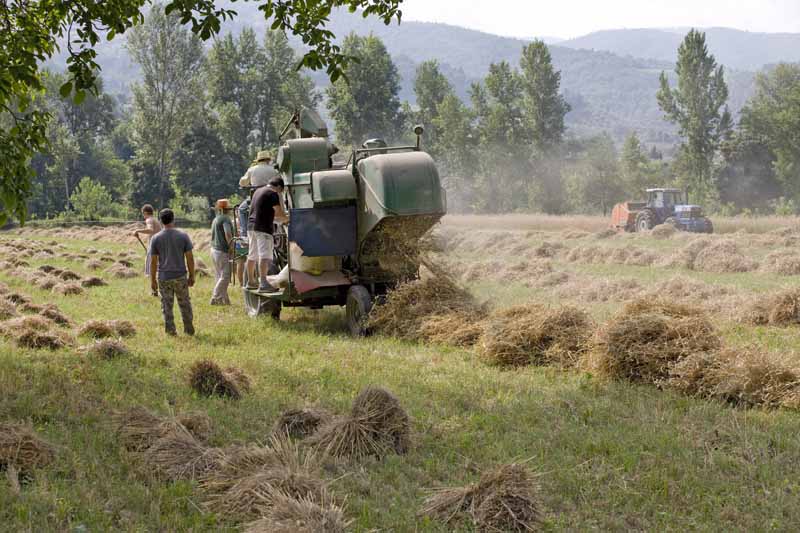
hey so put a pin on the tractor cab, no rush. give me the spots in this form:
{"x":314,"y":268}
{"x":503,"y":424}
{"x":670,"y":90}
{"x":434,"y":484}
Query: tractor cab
{"x":663,"y":206}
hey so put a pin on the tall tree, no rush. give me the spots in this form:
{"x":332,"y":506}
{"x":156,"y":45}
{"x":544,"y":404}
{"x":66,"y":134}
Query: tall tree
{"x":29,"y":34}
{"x":365,"y":103}
{"x":639,"y":172}
{"x":543,"y":106}
{"x":698,"y":107}
{"x":772,"y":117}
{"x":166,"y":101}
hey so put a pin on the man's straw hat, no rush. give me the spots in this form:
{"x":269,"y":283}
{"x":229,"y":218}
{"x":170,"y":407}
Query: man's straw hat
{"x":223,"y":203}
{"x":264,"y":155}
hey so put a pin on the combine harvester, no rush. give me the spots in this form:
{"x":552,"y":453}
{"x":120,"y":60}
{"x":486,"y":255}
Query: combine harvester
{"x":354,"y":229}
{"x":663,"y":206}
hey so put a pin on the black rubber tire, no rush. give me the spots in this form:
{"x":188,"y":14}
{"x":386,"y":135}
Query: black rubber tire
{"x":709,"y":226}
{"x":256,"y":305}
{"x":645,"y":221}
{"x":359,"y":304}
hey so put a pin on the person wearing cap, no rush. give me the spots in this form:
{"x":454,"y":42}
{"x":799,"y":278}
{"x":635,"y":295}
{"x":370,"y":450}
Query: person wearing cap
{"x":260,"y":173}
{"x":221,"y":249}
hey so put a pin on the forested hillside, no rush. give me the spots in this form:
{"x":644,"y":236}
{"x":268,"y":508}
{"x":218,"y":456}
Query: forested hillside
{"x":607,"y":91}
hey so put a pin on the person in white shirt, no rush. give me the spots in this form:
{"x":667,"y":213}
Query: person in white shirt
{"x":259,"y":174}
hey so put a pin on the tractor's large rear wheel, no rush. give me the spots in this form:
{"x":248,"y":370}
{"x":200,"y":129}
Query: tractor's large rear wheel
{"x":359,"y":304}
{"x":709,"y":226}
{"x":645,"y":221}
{"x":256,"y":305}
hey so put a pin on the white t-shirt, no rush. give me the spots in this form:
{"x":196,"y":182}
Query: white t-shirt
{"x":259,"y":175}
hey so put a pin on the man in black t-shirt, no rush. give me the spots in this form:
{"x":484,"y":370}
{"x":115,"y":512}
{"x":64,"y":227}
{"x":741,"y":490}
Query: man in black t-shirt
{"x":265,"y":208}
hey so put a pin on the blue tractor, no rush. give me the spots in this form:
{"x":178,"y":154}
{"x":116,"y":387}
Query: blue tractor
{"x":663,"y":206}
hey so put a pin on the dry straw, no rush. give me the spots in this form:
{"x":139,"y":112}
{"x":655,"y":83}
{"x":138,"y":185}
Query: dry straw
{"x":288,"y":514}
{"x":208,"y":379}
{"x":778,"y":309}
{"x":643,"y":341}
{"x":532,"y":334}
{"x":300,"y":423}
{"x":377,"y":425}
{"x":504,"y":499}
{"x":67,"y":289}
{"x":108,"y":349}
{"x":139,"y":428}
{"x":22,"y":449}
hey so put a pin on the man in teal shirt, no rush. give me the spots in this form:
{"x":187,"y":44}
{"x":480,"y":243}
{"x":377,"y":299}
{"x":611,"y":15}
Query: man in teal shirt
{"x":221,"y":250}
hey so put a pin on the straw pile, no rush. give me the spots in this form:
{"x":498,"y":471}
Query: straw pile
{"x":52,"y":312}
{"x":243,"y":492}
{"x":299,"y":515}
{"x":31,"y":308}
{"x":300,"y":423}
{"x":93,"y":281}
{"x":208,"y":379}
{"x":17,"y":298}
{"x":108,"y":349}
{"x":179,"y":455}
{"x":138,"y":428}
{"x":779,"y":309}
{"x":663,"y":231}
{"x":121,"y":272}
{"x":103,"y":329}
{"x":376,"y":426}
{"x":69,"y":275}
{"x":532,"y":334}
{"x":746,"y":378}
{"x":642,"y":342}
{"x":685,"y":257}
{"x":784,"y":262}
{"x":722,"y":257}
{"x":7,"y":310}
{"x":22,"y":449}
{"x":504,"y":499}
{"x":411,"y":305}
{"x":34,"y":332}
{"x":93,"y":264}
{"x":67,"y":289}
{"x":47,"y":283}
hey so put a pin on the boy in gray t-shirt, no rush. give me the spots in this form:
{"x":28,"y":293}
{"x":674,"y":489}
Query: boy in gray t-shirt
{"x":171,"y":259}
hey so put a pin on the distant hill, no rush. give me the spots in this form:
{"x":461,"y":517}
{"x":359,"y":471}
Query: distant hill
{"x":735,"y":49}
{"x":607,"y":91}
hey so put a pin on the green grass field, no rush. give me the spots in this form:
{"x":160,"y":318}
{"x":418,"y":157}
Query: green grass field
{"x":608,"y":456}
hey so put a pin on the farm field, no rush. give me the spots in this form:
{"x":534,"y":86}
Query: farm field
{"x":606,"y":454}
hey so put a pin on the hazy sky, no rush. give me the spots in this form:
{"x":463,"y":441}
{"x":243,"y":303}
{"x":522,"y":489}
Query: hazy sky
{"x":572,"y":18}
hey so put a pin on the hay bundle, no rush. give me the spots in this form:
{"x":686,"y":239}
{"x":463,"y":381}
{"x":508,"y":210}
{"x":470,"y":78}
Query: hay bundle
{"x":123,"y":328}
{"x":235,"y":492}
{"x":68,"y":275}
{"x":47,"y":283}
{"x":98,"y":329}
{"x":300,"y":423}
{"x":52,"y":312}
{"x":455,"y":329}
{"x":779,"y":309}
{"x":138,"y":428}
{"x":722,"y":257}
{"x":93,"y":281}
{"x":548,"y":249}
{"x":299,"y":515}
{"x":747,"y":378}
{"x":377,"y":425}
{"x":179,"y":455}
{"x":22,"y":449}
{"x":7,"y":310}
{"x":663,"y":231}
{"x":108,"y":349}
{"x":31,"y":307}
{"x":504,"y":499}
{"x":67,"y":289}
{"x":411,"y":304}
{"x":93,"y":264}
{"x":121,"y":272}
{"x":3,"y":288}
{"x":532,"y":334}
{"x":32,"y":322}
{"x":125,"y":263}
{"x":784,"y":262}
{"x":46,"y":268}
{"x":208,"y":379}
{"x":17,"y":298}
{"x":642,"y":342}
{"x":41,"y":339}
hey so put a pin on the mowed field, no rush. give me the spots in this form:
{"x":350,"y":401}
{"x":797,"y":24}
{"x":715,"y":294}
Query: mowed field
{"x":605,"y":454}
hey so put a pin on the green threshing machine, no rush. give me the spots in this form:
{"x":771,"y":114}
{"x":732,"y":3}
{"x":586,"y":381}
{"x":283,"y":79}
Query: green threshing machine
{"x":353,"y":228}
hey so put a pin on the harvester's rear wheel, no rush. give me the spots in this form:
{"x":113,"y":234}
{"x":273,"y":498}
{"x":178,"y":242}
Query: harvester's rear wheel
{"x":256,"y":305}
{"x":359,"y":304}
{"x":644,"y":221}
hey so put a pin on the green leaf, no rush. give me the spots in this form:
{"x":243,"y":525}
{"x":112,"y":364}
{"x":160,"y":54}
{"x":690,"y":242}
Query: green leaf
{"x":111,"y":34}
{"x":65,"y":89}
{"x":80,"y":96}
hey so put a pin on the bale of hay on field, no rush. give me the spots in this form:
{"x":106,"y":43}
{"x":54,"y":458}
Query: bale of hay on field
{"x":290,"y":470}
{"x":31,"y":307}
{"x":454,"y":329}
{"x":647,"y":338}
{"x":288,"y":514}
{"x":552,"y":280}
{"x":93,"y":281}
{"x":533,"y":334}
{"x":98,"y":329}
{"x":744,"y":377}
{"x":377,"y":425}
{"x":777,"y":309}
{"x":548,"y":249}
{"x":605,"y":233}
{"x":93,"y":264}
{"x":121,"y":272}
{"x":47,"y":283}
{"x":22,"y":449}
{"x":178,"y":455}
{"x":52,"y":312}
{"x":7,"y":310}
{"x":663,"y":231}
{"x":47,"y":268}
{"x":123,"y":328}
{"x":67,"y":289}
{"x":300,"y":423}
{"x":640,"y":257}
{"x":208,"y":379}
{"x":3,"y":288}
{"x":138,"y":428}
{"x":17,"y":298}
{"x":784,"y":262}
{"x":125,"y":263}
{"x":723,"y":257}
{"x":38,"y":340}
{"x":108,"y":349}
{"x":68,"y":275}
{"x":504,"y":499}
{"x":411,"y":304}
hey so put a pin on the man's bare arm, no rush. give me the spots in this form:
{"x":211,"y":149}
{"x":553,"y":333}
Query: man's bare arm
{"x":190,"y":266}
{"x":153,"y":272}
{"x":280,"y":214}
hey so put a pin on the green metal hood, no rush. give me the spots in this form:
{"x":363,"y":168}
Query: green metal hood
{"x":402,"y":184}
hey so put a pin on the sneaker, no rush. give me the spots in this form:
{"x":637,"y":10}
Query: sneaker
{"x":267,"y":288}
{"x":251,"y":287}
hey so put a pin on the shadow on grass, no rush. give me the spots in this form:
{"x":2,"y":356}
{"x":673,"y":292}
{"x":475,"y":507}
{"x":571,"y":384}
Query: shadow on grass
{"x":330,"y":322}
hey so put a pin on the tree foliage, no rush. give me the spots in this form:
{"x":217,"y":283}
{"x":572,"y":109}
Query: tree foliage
{"x":90,"y":200}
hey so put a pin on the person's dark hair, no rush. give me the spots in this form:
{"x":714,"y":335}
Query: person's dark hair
{"x":148,"y":209}
{"x":166,"y":216}
{"x":277,"y":182}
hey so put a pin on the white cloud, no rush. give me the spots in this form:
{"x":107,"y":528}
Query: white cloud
{"x":572,"y":18}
